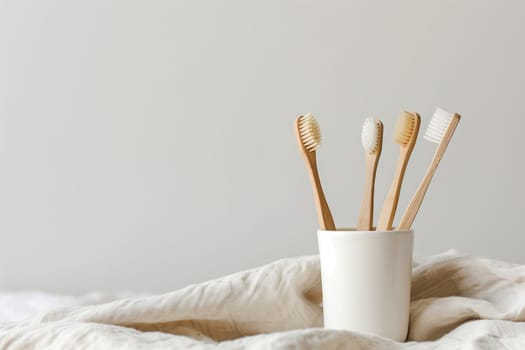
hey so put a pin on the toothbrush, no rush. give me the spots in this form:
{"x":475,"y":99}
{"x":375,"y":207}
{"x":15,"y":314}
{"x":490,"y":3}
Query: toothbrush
{"x":309,"y":139}
{"x":440,"y":131}
{"x":405,"y":135}
{"x":372,"y":141}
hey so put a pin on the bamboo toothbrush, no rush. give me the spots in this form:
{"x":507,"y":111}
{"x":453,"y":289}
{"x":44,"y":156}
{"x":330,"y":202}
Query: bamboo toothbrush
{"x":440,"y":131}
{"x":309,"y":139}
{"x":405,"y":135}
{"x":372,"y":140}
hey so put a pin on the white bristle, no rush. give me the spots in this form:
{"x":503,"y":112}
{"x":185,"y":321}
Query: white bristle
{"x":438,"y":125}
{"x":310,"y":132}
{"x":370,"y":135}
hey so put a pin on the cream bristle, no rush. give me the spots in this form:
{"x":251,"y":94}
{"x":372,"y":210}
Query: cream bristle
{"x":404,"y":128}
{"x":438,"y":125}
{"x":310,"y":132}
{"x":370,"y":135}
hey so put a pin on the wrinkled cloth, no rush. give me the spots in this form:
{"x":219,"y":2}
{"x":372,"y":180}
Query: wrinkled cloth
{"x":458,"y":302}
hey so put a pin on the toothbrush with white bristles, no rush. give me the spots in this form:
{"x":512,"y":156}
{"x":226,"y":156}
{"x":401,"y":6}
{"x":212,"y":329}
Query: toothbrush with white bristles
{"x":440,"y":131}
{"x":372,"y":140}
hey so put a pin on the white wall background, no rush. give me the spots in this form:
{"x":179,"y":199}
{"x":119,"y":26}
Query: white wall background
{"x":145,"y":145}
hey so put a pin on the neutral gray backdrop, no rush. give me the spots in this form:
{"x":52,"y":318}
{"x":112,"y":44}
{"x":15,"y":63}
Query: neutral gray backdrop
{"x":146,"y":145}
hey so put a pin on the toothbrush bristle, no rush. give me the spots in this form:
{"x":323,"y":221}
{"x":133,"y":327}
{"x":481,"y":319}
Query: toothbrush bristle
{"x":370,"y":135}
{"x":405,"y":127}
{"x":438,"y":125}
{"x":310,"y":132}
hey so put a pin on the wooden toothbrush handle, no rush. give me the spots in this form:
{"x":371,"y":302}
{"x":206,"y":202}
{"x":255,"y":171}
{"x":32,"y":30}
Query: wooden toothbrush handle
{"x":324,"y":216}
{"x":366,"y":213}
{"x":388,"y":212}
{"x":415,"y":203}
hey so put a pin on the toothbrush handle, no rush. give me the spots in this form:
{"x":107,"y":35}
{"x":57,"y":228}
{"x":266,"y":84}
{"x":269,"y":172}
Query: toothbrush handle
{"x":388,"y":211}
{"x":366,"y":213}
{"x":415,"y":203}
{"x":324,"y":216}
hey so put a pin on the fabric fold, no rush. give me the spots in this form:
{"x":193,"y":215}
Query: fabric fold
{"x":457,"y":301}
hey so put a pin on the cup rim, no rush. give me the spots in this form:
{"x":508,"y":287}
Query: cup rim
{"x":352,"y":231}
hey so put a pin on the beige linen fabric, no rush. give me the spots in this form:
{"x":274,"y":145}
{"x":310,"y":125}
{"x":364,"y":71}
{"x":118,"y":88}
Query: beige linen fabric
{"x":458,"y":301}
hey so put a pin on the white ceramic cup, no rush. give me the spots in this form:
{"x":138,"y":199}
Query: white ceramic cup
{"x":366,"y":279}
